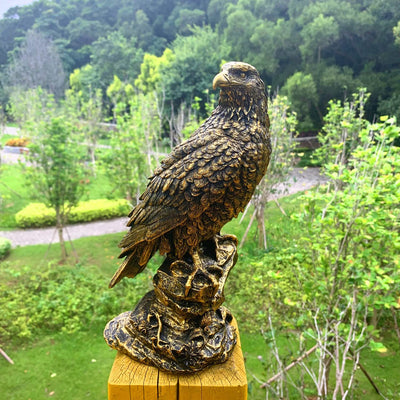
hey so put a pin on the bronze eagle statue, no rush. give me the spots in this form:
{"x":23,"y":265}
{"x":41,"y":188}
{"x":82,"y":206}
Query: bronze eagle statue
{"x":205,"y":181}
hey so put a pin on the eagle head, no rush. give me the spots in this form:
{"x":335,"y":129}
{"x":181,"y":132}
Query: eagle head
{"x":242,"y":89}
{"x":237,"y":74}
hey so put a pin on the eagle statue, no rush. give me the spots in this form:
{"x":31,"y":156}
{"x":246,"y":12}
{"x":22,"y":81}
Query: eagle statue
{"x":205,"y":181}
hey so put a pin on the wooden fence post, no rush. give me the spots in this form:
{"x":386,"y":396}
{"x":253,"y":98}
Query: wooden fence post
{"x":131,"y":380}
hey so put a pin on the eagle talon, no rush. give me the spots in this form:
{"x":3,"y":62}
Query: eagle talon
{"x":196,"y":264}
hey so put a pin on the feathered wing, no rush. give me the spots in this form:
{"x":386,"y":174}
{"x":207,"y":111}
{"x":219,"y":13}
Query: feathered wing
{"x":196,"y":174}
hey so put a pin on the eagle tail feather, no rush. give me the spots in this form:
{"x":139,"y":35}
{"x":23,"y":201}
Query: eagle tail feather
{"x":135,"y":262}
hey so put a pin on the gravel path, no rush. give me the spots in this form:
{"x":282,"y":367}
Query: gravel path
{"x":300,"y":180}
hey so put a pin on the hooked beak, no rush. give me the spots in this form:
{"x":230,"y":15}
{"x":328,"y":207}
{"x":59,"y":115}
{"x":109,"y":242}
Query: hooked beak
{"x":220,"y":80}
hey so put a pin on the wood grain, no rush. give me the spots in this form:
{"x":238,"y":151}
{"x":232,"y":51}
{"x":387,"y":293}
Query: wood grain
{"x":131,"y":380}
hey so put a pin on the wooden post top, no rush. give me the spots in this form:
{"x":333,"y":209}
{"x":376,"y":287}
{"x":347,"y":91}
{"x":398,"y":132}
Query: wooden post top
{"x":131,"y":380}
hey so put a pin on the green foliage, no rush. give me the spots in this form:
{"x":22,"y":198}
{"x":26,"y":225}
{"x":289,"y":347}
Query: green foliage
{"x":31,"y":105}
{"x":302,"y":92}
{"x":130,"y":158}
{"x":149,"y":79}
{"x":351,"y":249}
{"x":116,"y":55}
{"x":283,"y":131}
{"x":5,"y":247}
{"x":347,"y":263}
{"x":57,"y":171}
{"x":194,"y":64}
{"x":83,"y":81}
{"x":83,"y":104}
{"x":319,"y":33}
{"x":396,"y":33}
{"x":58,"y":298}
{"x":343,"y":266}
{"x":341,"y":132}
{"x":337,"y":43}
{"x":38,"y":215}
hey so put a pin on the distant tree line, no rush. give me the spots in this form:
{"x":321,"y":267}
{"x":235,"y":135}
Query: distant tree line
{"x":312,"y":51}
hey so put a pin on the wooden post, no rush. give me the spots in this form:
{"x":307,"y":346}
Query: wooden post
{"x":131,"y":380}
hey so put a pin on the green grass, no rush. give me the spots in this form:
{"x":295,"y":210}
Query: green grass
{"x":281,"y":230}
{"x":76,"y":366}
{"x":15,"y":194}
{"x":5,"y":137}
{"x":58,"y":366}
{"x":62,"y":366}
{"x":100,"y":251}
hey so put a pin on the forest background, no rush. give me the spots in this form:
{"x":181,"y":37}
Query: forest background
{"x":310,"y":51}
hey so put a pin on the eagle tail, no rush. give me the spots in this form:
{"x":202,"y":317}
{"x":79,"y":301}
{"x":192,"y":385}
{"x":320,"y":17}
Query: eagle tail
{"x":135,"y":261}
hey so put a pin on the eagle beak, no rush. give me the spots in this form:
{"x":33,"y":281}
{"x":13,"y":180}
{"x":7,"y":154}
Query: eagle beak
{"x":220,"y":80}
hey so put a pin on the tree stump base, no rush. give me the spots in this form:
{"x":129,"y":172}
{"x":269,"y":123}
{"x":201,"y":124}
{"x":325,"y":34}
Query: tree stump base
{"x":132,"y":380}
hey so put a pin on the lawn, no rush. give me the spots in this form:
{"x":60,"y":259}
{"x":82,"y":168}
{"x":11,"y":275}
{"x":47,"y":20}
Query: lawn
{"x":14,"y":194}
{"x":76,"y":365}
{"x":58,"y":366}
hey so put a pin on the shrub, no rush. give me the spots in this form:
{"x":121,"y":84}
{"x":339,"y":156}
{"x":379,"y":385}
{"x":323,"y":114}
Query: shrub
{"x":38,"y":215}
{"x":17,"y":142}
{"x":60,"y":298}
{"x":5,"y":247}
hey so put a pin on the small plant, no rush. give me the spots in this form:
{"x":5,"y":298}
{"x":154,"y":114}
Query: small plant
{"x":58,"y":298}
{"x":5,"y":247}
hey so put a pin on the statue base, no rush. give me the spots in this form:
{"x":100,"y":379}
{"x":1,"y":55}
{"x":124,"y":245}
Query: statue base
{"x":130,"y":379}
{"x":181,"y":326}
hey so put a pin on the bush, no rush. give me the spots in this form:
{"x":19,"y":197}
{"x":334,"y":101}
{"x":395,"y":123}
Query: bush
{"x":17,"y":142}
{"x":5,"y":247}
{"x":38,"y":215}
{"x":60,"y":298}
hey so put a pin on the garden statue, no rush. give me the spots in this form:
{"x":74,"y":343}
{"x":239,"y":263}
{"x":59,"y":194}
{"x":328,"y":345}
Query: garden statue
{"x":206,"y":181}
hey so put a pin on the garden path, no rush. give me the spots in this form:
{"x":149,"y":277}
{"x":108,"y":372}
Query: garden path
{"x":301,"y":179}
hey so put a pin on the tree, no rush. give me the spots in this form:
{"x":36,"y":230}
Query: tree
{"x":340,"y":134}
{"x":57,"y":170}
{"x":349,"y":256}
{"x":134,"y":140}
{"x":115,"y":55}
{"x":318,"y":34}
{"x":396,"y":34}
{"x":302,"y":93}
{"x":85,"y":108}
{"x":37,"y":63}
{"x":27,"y":107}
{"x":282,"y":131}
{"x":323,"y":289}
{"x":187,"y":19}
{"x":149,"y":79}
{"x":193,"y":65}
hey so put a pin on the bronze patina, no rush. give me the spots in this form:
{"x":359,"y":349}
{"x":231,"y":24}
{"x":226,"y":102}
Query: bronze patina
{"x":181,"y":325}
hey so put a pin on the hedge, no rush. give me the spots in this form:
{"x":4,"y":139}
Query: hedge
{"x":5,"y":247}
{"x":36,"y":215}
{"x":58,"y":298}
